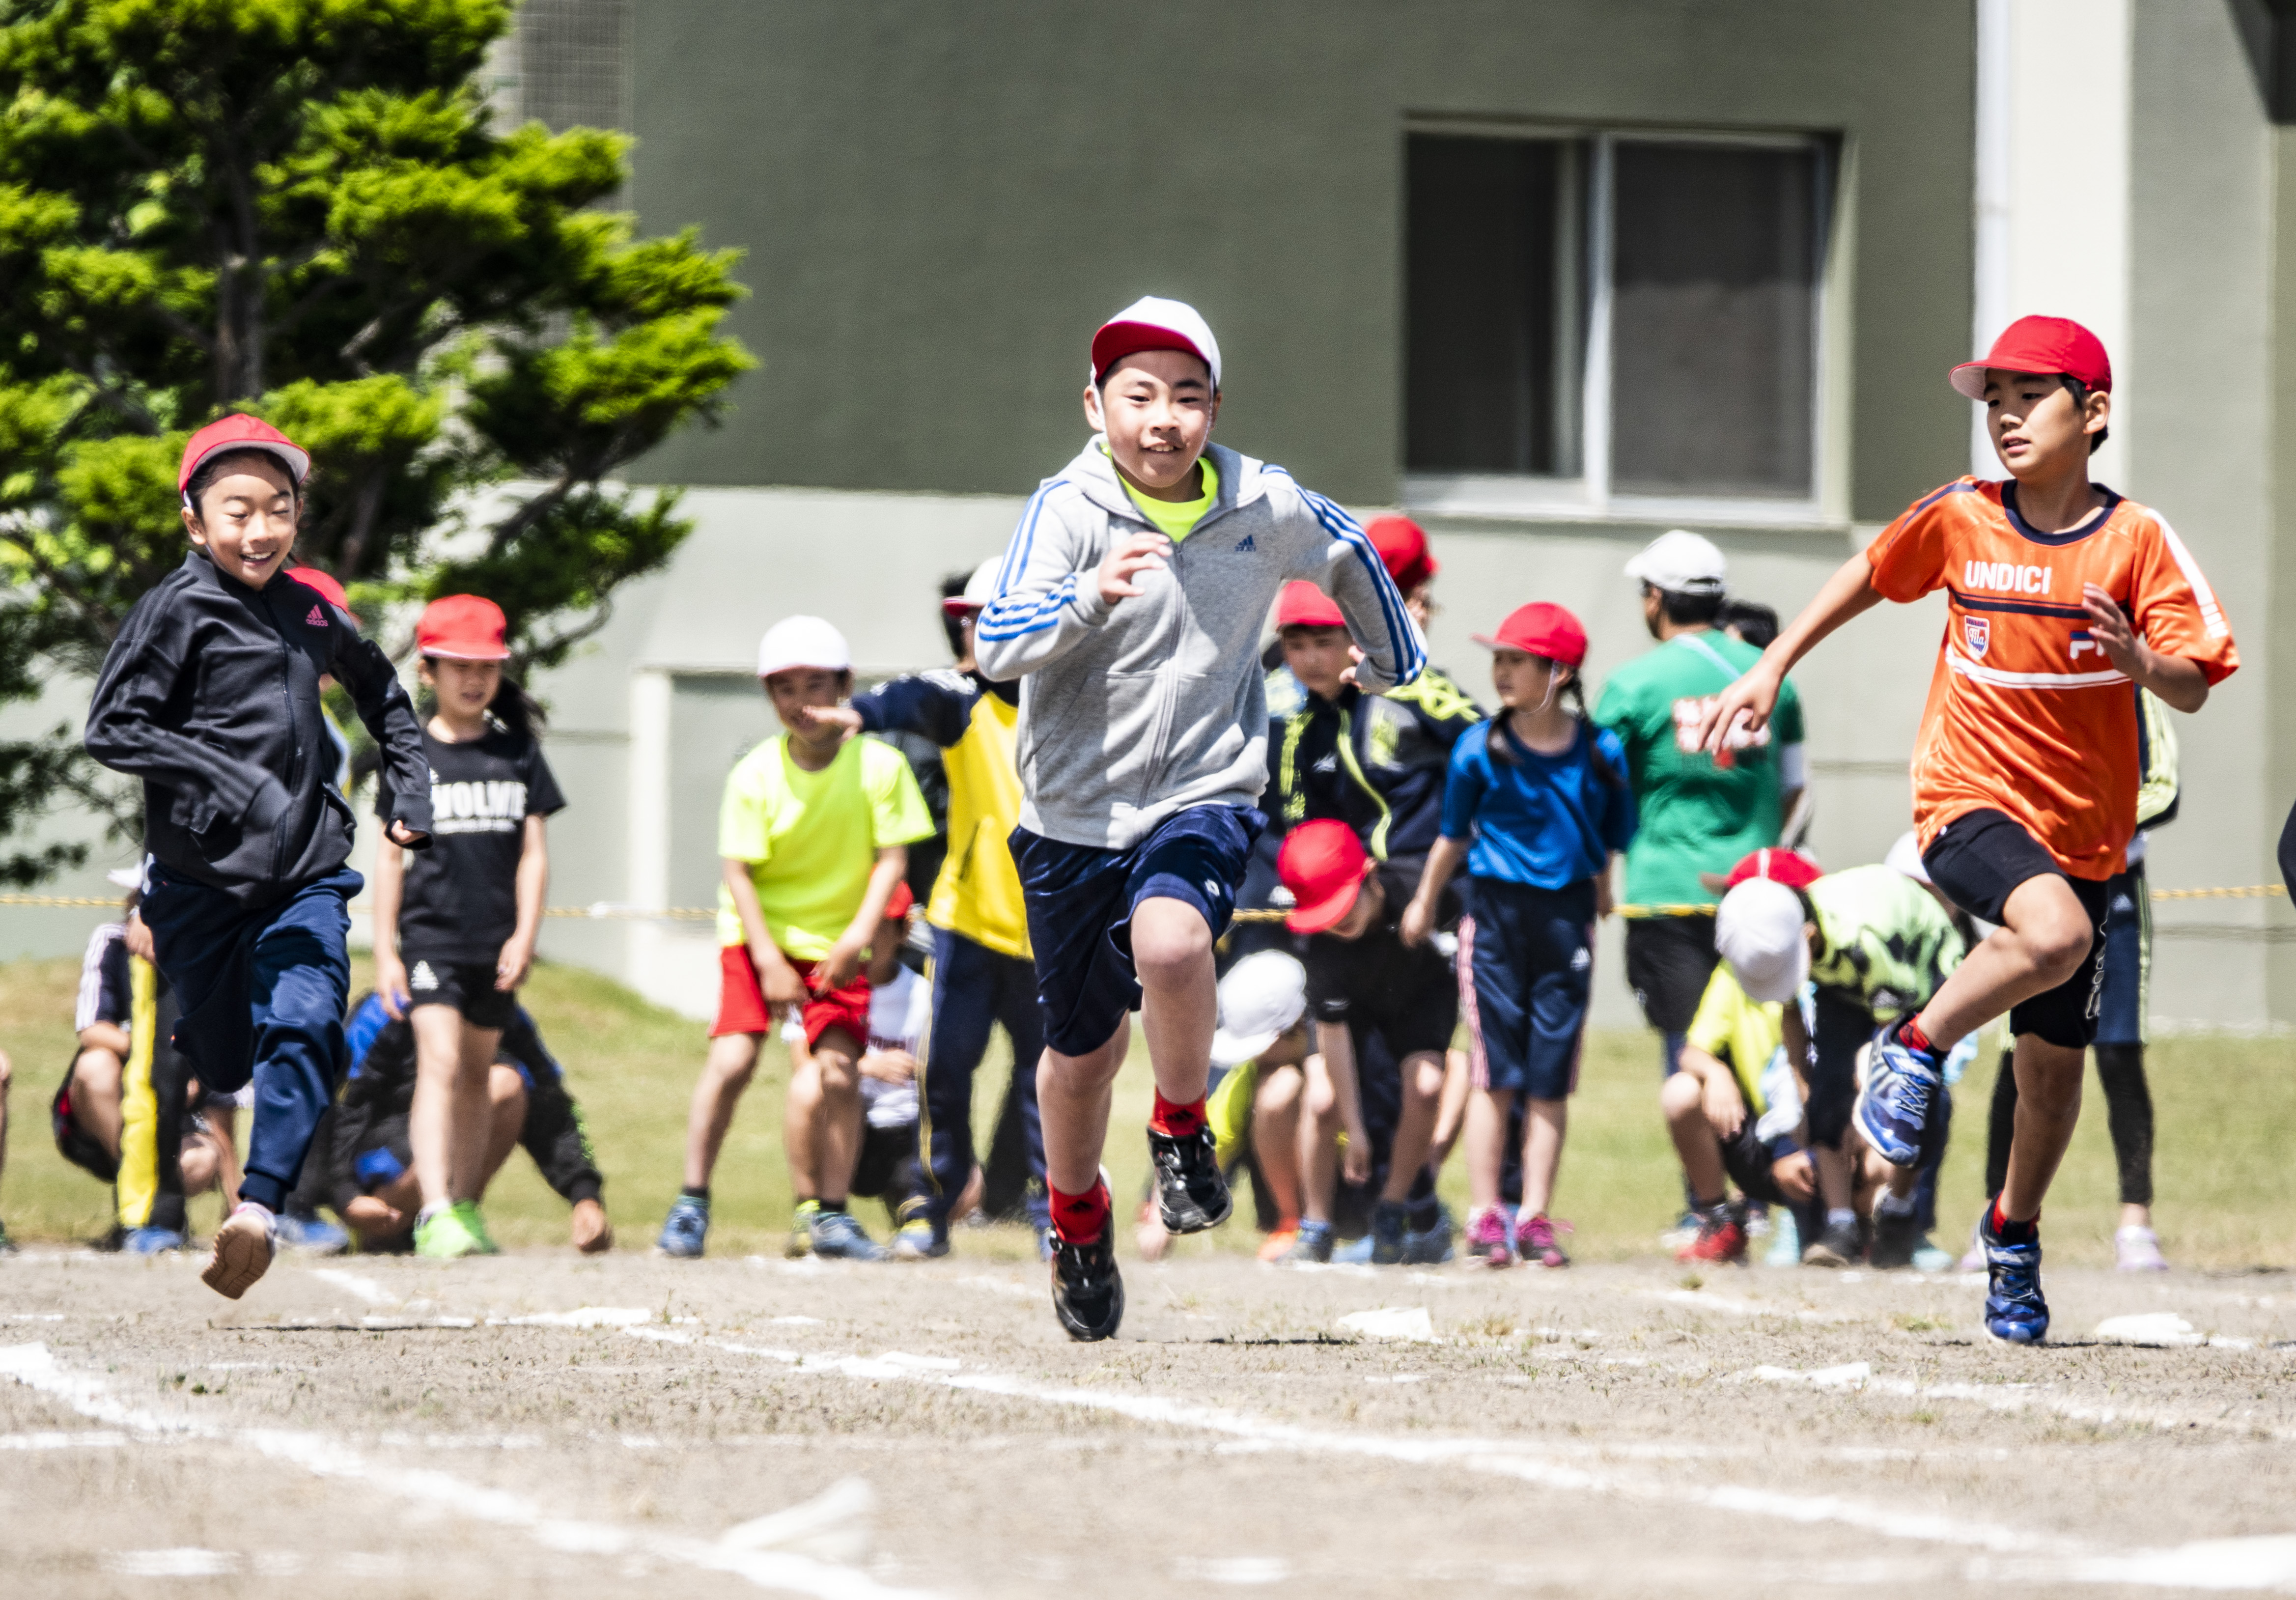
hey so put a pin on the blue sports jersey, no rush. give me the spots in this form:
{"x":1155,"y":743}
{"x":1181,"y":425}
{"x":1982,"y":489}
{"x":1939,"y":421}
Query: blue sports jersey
{"x":1547,"y":821}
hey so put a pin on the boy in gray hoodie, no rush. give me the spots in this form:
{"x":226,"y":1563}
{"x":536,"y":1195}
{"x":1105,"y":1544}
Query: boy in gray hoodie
{"x":1131,"y":603}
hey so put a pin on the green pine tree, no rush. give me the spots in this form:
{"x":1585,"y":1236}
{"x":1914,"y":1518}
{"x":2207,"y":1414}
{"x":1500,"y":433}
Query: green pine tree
{"x":302,"y":208}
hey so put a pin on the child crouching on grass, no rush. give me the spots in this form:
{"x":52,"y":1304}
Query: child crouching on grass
{"x":814,"y":834}
{"x":210,"y":695}
{"x":1536,"y":805}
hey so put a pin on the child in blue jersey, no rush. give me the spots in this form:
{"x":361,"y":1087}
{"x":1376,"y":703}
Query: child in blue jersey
{"x":1536,"y":805}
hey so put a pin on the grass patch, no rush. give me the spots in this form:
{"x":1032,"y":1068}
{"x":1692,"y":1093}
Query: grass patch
{"x":2225,"y":1109}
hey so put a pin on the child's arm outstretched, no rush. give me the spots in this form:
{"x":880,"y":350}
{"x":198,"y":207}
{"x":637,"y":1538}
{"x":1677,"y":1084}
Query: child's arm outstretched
{"x":1749,"y":701}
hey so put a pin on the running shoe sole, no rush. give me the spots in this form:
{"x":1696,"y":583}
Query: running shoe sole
{"x":242,"y":1255}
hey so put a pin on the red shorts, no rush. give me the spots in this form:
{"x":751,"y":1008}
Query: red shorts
{"x":741,"y":1005}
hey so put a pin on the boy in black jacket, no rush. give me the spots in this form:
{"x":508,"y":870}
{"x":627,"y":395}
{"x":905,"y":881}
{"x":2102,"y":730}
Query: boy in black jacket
{"x":210,"y":695}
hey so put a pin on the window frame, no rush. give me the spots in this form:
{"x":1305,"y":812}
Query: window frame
{"x":1588,"y":496}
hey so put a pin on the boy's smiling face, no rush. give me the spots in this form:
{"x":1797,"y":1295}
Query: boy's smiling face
{"x":2035,"y":425}
{"x":1157,"y":409}
{"x":246,"y":518}
{"x":797,"y":691}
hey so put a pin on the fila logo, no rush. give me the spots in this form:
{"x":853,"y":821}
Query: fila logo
{"x":1248,"y":542}
{"x":2085,"y":640}
{"x":317,"y":619}
{"x":2006,"y":578}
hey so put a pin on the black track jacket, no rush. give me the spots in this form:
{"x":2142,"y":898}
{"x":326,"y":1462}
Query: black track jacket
{"x":210,"y":695}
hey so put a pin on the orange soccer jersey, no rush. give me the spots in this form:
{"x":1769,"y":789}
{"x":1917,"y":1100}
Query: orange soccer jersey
{"x":2026,"y":715}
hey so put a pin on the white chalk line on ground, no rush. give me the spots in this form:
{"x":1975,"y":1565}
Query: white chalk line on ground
{"x":37,"y":1369}
{"x":1858,"y":1377}
{"x":2265,"y":1562}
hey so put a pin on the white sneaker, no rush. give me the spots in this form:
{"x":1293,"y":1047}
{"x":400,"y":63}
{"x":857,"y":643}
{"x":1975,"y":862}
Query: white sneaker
{"x":242,"y":1251}
{"x":2139,"y":1251}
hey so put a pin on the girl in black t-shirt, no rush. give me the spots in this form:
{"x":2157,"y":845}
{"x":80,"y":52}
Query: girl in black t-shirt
{"x":454,"y":927}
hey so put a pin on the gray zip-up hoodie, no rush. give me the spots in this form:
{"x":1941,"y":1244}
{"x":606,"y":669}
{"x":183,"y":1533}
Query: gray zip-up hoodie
{"x":1132,"y":713}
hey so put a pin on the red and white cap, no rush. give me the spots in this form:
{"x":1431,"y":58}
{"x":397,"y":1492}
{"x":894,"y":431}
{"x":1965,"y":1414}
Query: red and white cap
{"x":803,"y":642}
{"x":1302,"y":604}
{"x":979,"y":589}
{"x":463,"y":627}
{"x":240,"y":431}
{"x":1402,"y":546}
{"x":1779,"y":865}
{"x":2039,"y":344}
{"x":1541,"y":628}
{"x":1154,"y":324}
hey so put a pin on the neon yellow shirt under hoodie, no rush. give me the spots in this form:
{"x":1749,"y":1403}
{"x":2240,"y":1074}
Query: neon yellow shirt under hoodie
{"x":1175,"y":520}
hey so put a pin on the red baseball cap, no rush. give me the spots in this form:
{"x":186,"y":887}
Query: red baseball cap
{"x":1324,"y":865}
{"x":2039,"y":344}
{"x":330,"y":591}
{"x":240,"y":431}
{"x":463,"y":627}
{"x":1789,"y":867}
{"x":1541,"y":628}
{"x":1402,"y":545}
{"x":1302,"y":604}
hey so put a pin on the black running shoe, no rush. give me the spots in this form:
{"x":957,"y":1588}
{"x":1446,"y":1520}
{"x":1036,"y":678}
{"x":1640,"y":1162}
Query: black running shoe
{"x":1391,"y":1221}
{"x":1189,"y":1188}
{"x":1838,"y":1245}
{"x":1895,"y":1240}
{"x":1088,"y":1290}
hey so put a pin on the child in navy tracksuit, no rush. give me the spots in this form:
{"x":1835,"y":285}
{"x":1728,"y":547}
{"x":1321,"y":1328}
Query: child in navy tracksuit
{"x":1535,"y":804}
{"x":210,"y":695}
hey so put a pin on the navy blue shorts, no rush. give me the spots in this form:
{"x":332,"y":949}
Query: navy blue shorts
{"x":1526,"y":972}
{"x":1081,"y":897}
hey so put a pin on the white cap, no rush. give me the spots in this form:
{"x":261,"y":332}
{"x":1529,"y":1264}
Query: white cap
{"x":1681,"y":563}
{"x":802,"y":641}
{"x":1758,"y":929}
{"x":125,"y":877}
{"x":979,"y":589}
{"x":1906,"y":857}
{"x":1261,"y":998}
{"x":1153,"y":322}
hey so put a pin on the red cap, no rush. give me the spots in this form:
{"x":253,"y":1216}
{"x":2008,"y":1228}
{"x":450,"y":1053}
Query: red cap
{"x":1302,"y":604}
{"x":2039,"y":344}
{"x":1324,"y":865}
{"x":900,"y":903}
{"x":463,"y":627}
{"x":330,"y":591}
{"x":240,"y":431}
{"x":1789,"y":867}
{"x":1402,"y":545}
{"x":1540,"y":628}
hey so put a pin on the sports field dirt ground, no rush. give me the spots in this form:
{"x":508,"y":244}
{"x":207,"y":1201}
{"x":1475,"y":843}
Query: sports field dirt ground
{"x":537,"y":1425}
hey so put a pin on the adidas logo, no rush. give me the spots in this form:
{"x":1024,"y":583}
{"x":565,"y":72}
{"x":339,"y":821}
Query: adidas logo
{"x":1247,"y":542}
{"x":317,"y":619}
{"x":423,"y":977}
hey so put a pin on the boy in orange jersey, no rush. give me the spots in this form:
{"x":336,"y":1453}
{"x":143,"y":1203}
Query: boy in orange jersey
{"x":2061,"y":595}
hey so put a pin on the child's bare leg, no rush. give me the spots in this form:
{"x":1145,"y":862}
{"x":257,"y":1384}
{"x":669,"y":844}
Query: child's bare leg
{"x":801,"y":1126}
{"x":1073,"y":1096}
{"x":1451,"y":1115}
{"x":1836,"y":1177}
{"x":732,"y":1062}
{"x":1172,"y":952}
{"x":1543,"y":1124}
{"x":505,"y":1117}
{"x":1415,"y":1124}
{"x":2044,"y":936}
{"x":1485,"y":1141}
{"x":837,"y":1128}
{"x":1682,"y":1099}
{"x":1319,"y":1143}
{"x":96,"y":1073}
{"x":2049,"y":1107}
{"x":474,"y":1112}
{"x":446,"y":1111}
{"x":1275,"y":1137}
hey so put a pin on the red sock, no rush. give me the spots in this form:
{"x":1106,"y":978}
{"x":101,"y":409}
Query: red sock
{"x":1177,"y":1121}
{"x":1910,"y":1035}
{"x":1078,"y":1218}
{"x":2012,"y":1232}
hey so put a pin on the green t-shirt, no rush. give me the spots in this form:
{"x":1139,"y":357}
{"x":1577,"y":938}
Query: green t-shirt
{"x":1699,"y":813}
{"x":1175,"y":520}
{"x":1889,"y":944}
{"x":811,"y":838}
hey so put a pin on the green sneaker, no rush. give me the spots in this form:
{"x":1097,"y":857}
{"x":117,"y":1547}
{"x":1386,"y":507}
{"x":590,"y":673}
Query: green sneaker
{"x":475,"y":1222}
{"x":445,"y":1235}
{"x":800,"y":1238}
{"x":7,"y":1245}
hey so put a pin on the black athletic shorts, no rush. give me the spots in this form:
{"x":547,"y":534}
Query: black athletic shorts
{"x":469,"y":986}
{"x":1669,"y":960}
{"x":1748,"y":1159}
{"x":1978,"y":860}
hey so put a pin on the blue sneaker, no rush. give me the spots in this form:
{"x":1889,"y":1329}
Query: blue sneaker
{"x":838,"y":1237}
{"x":1432,"y":1246}
{"x":2014,"y":1311}
{"x":152,"y":1240}
{"x":311,"y":1233}
{"x":685,"y":1227}
{"x":1893,"y":1108}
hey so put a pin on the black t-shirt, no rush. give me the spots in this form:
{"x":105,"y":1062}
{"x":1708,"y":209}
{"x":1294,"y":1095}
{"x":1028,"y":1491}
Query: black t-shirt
{"x":461,"y":900}
{"x":1379,"y":984}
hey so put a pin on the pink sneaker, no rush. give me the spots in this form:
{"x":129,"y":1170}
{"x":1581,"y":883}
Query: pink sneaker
{"x":1534,"y":1240}
{"x":1487,"y":1238}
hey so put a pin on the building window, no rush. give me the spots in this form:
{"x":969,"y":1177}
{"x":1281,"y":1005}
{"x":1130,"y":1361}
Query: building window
{"x":1613,"y":323}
